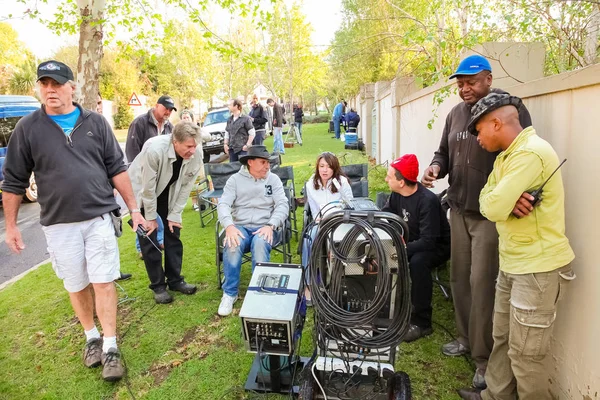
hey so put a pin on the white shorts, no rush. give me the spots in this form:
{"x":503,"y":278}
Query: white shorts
{"x":83,"y":252}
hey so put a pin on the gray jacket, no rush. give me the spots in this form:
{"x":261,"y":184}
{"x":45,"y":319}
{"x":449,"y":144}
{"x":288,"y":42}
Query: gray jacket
{"x":151,"y":171}
{"x":251,"y":202}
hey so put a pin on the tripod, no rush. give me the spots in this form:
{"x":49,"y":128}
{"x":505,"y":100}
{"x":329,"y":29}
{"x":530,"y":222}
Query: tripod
{"x":293,"y":135}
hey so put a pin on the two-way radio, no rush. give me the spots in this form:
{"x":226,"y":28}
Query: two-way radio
{"x":537,"y":194}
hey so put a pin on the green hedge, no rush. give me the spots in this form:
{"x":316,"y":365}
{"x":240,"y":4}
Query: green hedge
{"x":317,"y":119}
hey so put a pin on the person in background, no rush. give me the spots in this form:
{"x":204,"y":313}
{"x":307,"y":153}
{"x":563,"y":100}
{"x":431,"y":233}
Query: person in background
{"x":278,"y":121}
{"x":325,"y":189}
{"x":338,"y":111}
{"x":239,"y":132}
{"x":352,"y":121}
{"x":298,"y":115}
{"x":259,"y":120}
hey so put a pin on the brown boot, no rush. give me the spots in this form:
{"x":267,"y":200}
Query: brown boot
{"x":113,"y":369}
{"x":92,"y":353}
{"x":470,"y":394}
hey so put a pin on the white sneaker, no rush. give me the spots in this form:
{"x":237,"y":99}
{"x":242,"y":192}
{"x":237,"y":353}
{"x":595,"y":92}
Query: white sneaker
{"x":226,"y":306}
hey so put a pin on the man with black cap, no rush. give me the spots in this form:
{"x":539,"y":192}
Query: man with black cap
{"x":252,"y":210}
{"x":162,"y":176}
{"x":77,"y":162}
{"x":474,"y":247}
{"x":429,"y":237}
{"x":154,"y":122}
{"x":535,"y":254}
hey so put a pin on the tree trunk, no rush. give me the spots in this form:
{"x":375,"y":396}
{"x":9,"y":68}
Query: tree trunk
{"x":90,"y":51}
{"x":591,"y":38}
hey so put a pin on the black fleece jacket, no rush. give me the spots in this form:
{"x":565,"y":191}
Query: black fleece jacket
{"x":72,"y":172}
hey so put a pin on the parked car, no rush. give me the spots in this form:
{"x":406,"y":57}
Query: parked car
{"x":214,"y":124}
{"x":12,"y":109}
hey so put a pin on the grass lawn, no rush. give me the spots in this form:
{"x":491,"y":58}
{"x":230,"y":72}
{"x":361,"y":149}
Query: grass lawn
{"x":121,"y":135}
{"x":182,"y":350}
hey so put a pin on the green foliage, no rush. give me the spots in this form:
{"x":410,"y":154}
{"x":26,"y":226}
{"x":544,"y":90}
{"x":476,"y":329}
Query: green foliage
{"x":317,"y":119}
{"x":23,"y":79}
{"x":123,"y":116}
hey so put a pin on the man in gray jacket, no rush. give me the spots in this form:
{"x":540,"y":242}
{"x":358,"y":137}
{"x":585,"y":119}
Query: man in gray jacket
{"x":162,"y":176}
{"x":252,"y":209}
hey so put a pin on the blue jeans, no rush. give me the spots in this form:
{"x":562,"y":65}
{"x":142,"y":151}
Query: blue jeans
{"x":232,"y":256}
{"x":236,"y":156}
{"x":278,"y":140}
{"x":306,"y":247}
{"x":336,"y":127}
{"x":160,"y":232}
{"x":299,"y":126}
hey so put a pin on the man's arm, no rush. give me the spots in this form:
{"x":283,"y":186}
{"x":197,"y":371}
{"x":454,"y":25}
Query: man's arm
{"x":149,"y":166}
{"x":122,"y":183}
{"x":441,"y":156}
{"x":226,"y":203}
{"x":184,"y":193}
{"x":282,"y":206}
{"x":134,"y":142}
{"x":519,"y":173}
{"x":11,"y":203}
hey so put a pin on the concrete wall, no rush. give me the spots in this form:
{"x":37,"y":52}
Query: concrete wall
{"x":565,"y":110}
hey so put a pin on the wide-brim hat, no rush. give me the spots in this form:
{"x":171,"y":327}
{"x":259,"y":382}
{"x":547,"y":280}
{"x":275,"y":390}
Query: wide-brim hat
{"x":489,"y":103}
{"x":255,"y":152}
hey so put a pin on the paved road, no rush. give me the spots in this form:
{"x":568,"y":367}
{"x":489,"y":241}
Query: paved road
{"x":35,"y":251}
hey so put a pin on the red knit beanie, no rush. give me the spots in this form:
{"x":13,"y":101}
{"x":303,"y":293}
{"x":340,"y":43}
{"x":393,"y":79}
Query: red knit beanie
{"x":408,"y":166}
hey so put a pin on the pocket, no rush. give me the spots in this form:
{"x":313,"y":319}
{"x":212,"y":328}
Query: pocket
{"x":55,"y":264}
{"x":530,"y":331}
{"x":565,"y":277}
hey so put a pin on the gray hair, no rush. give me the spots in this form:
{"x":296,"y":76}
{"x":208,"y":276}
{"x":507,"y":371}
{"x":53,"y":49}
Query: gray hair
{"x":185,"y":130}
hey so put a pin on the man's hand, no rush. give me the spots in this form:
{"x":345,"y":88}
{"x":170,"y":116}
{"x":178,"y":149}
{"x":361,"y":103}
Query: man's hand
{"x":226,"y":148}
{"x":173,"y":224}
{"x":151,"y":226}
{"x":14,"y":240}
{"x":523,"y":207}
{"x":266,"y":232}
{"x":232,"y":235}
{"x":430,"y":175}
{"x":274,"y":121}
{"x":138,"y":219}
{"x":245,"y":147}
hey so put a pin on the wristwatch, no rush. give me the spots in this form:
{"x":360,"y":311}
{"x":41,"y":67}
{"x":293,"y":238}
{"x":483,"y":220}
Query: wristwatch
{"x":136,"y":210}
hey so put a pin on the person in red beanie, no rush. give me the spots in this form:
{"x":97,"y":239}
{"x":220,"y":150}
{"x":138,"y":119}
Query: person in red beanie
{"x":428,"y":237}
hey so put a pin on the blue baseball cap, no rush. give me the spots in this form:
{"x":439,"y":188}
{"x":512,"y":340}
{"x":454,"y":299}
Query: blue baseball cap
{"x":472,"y":65}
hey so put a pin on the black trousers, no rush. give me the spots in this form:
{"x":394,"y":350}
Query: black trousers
{"x":421,"y":264}
{"x":153,"y":259}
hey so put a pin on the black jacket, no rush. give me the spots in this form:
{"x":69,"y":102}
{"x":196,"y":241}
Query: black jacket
{"x":141,"y":129}
{"x":298,"y":114}
{"x":428,"y":226}
{"x":72,"y":172}
{"x":259,"y":117}
{"x":461,"y":157}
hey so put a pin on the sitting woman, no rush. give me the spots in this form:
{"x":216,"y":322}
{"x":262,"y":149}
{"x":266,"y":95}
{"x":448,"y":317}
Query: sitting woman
{"x":324,"y":191}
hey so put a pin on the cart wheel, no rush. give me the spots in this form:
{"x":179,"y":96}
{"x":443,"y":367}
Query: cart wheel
{"x":399,"y":387}
{"x":307,"y":389}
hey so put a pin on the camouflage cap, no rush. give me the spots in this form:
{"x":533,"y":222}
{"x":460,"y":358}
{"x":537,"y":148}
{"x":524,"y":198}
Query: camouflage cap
{"x":489,"y":103}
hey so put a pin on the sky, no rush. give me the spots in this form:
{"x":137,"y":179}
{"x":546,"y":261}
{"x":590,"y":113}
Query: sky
{"x":324,"y":16}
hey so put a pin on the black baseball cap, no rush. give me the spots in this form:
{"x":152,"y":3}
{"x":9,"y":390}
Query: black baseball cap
{"x":167,"y":101}
{"x":56,"y":70}
{"x":489,"y":103}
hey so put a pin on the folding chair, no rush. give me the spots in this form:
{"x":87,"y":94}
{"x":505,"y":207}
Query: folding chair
{"x":286,"y":174}
{"x":358,"y":175}
{"x":283,"y":247}
{"x":209,"y":198}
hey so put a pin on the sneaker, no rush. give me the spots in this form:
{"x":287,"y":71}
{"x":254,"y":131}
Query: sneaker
{"x":454,"y":349}
{"x":479,"y":379}
{"x":226,"y":306}
{"x":416,"y":332}
{"x":162,"y":297}
{"x":184,"y":288}
{"x":92,"y":353}
{"x":113,"y":369}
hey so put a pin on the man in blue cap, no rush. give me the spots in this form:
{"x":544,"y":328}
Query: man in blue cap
{"x":474,"y":248}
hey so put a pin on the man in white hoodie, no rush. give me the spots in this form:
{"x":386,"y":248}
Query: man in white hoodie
{"x":252,"y":210}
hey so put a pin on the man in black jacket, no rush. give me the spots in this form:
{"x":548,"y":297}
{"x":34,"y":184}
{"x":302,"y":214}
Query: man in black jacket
{"x":474,"y":253}
{"x":429,"y":237}
{"x":259,"y":120}
{"x":77,"y":161}
{"x":155,"y":122}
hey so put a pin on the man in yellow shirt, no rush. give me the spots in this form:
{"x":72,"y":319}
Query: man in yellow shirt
{"x":535,"y":254}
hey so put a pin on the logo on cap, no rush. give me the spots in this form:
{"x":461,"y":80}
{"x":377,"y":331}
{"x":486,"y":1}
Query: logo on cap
{"x":50,"y":67}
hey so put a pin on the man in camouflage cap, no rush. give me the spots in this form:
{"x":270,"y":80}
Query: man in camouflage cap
{"x":535,"y":254}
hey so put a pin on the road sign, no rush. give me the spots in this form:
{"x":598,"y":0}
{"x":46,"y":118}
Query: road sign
{"x":134,"y":100}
